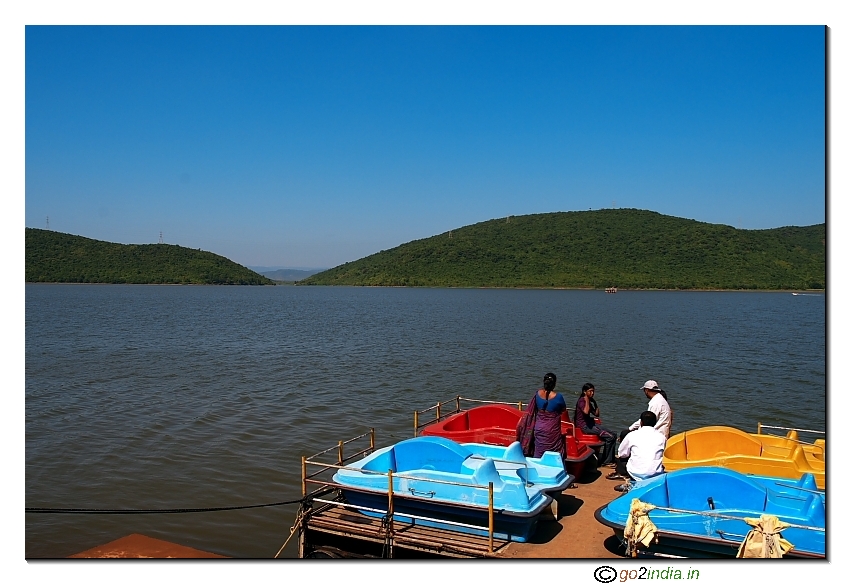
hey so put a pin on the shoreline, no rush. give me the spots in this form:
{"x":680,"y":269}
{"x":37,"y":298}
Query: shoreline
{"x":287,"y":284}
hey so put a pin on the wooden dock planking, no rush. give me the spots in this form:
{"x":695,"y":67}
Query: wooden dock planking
{"x":335,"y":521}
{"x":574,"y":533}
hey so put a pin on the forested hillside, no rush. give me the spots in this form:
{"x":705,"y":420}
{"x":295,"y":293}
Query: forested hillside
{"x":627,"y":248}
{"x":62,"y":258}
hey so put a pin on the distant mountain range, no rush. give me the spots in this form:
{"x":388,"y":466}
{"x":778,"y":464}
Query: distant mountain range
{"x":626,"y":248}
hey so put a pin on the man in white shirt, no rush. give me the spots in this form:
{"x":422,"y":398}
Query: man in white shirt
{"x":658,"y":405}
{"x":641,"y":451}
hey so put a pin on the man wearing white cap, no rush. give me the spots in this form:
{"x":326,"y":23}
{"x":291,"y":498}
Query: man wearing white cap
{"x":658,"y":405}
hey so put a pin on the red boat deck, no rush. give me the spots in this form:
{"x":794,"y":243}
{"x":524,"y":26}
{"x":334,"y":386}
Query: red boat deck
{"x":139,"y":546}
{"x":495,"y":424}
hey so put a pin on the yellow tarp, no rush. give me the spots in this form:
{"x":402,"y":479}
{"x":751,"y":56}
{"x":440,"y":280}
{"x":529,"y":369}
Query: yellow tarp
{"x":639,"y":528}
{"x":764,"y":541}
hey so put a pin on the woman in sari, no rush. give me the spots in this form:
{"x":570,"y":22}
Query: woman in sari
{"x":587,"y":419}
{"x":547,"y":425}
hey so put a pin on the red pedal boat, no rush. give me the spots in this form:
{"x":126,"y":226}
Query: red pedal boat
{"x":495,"y":424}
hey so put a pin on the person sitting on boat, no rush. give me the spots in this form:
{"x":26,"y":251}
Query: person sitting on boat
{"x":547,"y":424}
{"x":657,"y":404}
{"x":641,"y":451}
{"x":587,"y":419}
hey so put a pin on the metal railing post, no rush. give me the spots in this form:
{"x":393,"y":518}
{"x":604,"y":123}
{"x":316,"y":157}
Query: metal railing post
{"x":372,"y":438}
{"x":303,"y":476}
{"x":340,"y":453}
{"x":490,"y":517}
{"x":390,"y":511}
{"x":438,"y":411}
{"x":415,"y":423}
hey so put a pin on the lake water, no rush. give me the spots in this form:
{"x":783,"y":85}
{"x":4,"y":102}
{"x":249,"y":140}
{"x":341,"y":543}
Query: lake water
{"x":190,"y":396}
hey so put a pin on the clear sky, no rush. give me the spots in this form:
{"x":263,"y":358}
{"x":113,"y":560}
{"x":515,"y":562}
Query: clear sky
{"x":295,"y":146}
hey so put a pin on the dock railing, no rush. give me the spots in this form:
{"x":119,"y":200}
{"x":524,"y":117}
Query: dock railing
{"x":315,"y":487}
{"x":454,"y":406}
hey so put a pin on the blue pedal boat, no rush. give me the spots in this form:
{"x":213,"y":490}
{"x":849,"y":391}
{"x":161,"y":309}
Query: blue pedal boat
{"x":720,"y":491}
{"x":436,"y":478}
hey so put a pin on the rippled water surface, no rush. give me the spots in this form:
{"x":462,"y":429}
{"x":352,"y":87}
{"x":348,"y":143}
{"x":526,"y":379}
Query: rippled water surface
{"x":186,"y":397}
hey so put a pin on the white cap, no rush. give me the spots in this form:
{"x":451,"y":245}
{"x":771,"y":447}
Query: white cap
{"x":651,"y":385}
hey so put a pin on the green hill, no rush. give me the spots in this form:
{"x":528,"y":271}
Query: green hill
{"x":62,"y":258}
{"x":627,"y":248}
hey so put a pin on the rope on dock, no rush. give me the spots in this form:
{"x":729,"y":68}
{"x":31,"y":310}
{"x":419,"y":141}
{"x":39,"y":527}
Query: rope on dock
{"x":155,"y":510}
{"x":293,"y":529}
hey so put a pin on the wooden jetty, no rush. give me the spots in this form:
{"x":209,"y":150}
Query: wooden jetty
{"x":328,"y":527}
{"x":335,"y":532}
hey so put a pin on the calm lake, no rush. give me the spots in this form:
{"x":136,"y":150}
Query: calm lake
{"x":190,"y":396}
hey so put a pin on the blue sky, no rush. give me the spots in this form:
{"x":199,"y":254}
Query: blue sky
{"x":311,"y":146}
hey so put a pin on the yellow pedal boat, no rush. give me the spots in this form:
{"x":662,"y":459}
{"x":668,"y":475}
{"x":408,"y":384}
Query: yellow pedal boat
{"x":748,"y":453}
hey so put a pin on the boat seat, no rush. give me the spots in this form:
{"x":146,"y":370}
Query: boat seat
{"x":656,"y":494}
{"x":809,"y":507}
{"x":709,"y":442}
{"x":808,"y":482}
{"x":727,"y":488}
{"x":513,"y":453}
{"x":383,"y":463}
{"x":486,"y":472}
{"x":798,"y":456}
{"x":458,"y":423}
{"x":501,"y":417}
{"x":442,"y":454}
{"x":776,"y":451}
{"x":816,"y":511}
{"x":676,"y":450}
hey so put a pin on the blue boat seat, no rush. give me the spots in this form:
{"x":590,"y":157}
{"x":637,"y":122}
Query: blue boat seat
{"x":690,"y":490}
{"x":654,"y":491}
{"x":439,"y":453}
{"x":816,"y":511}
{"x":809,"y":508}
{"x":383,"y":462}
{"x":808,"y":482}
{"x":486,"y":472}
{"x":513,"y":453}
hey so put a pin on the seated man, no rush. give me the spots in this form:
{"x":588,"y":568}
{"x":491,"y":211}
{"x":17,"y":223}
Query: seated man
{"x":641,"y":451}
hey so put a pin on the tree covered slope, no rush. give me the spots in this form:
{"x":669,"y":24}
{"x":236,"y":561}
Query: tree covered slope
{"x":627,"y":248}
{"x":63,"y":258}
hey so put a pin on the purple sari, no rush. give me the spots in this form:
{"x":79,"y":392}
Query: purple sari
{"x":547,"y":433}
{"x":539,"y":431}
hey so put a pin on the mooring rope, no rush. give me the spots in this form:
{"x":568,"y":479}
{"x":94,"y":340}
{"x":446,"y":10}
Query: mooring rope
{"x":728,"y":517}
{"x":386,"y":526}
{"x":155,"y":510}
{"x":293,"y":529}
